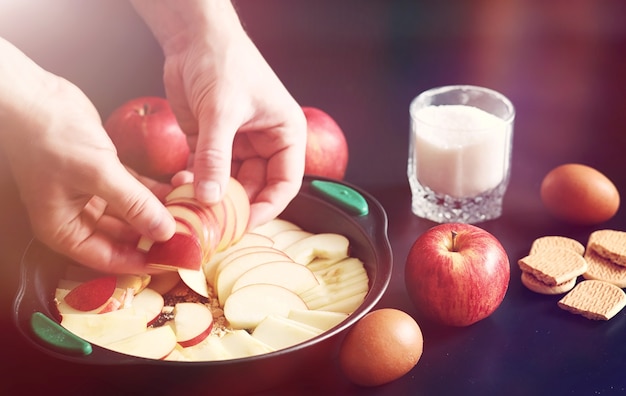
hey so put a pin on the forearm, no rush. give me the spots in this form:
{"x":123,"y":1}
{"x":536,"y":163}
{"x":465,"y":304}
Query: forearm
{"x":175,"y":23}
{"x":21,"y":80}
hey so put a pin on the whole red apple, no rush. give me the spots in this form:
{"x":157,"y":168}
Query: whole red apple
{"x":147,"y":137}
{"x":457,"y":274}
{"x":326,"y":146}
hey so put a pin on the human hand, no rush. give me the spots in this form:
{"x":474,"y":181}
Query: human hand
{"x":80,"y":199}
{"x":239,"y":118}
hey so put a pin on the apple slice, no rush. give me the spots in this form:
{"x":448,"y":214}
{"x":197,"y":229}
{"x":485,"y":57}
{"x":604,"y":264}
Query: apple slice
{"x":236,"y":253}
{"x":346,"y":305}
{"x":92,"y":294}
{"x":227,"y":277}
{"x":280,"y":332}
{"x":164,"y":282}
{"x":181,"y":191}
{"x":287,"y":274}
{"x":210,"y":349}
{"x":154,"y":343}
{"x":248,"y":306}
{"x":328,"y":295}
{"x":248,"y":239}
{"x":180,"y":251}
{"x":289,"y":237}
{"x":177,"y":355}
{"x":132,"y":281}
{"x":149,"y":303}
{"x":340,"y":271}
{"x":324,"y":245}
{"x":103,"y":329}
{"x":230,"y":224}
{"x":193,"y":322}
{"x":274,"y":226}
{"x":239,"y":197}
{"x":323,"y":320}
{"x":195,"y":280}
{"x":183,"y":227}
{"x":116,"y":301}
{"x":204,"y":225}
{"x":240,"y":344}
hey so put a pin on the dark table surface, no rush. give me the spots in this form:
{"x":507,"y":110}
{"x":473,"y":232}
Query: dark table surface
{"x":562,"y":65}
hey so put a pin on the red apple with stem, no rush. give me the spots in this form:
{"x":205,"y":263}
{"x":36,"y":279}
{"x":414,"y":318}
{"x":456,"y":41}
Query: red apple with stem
{"x":326,"y":145}
{"x":457,"y":274}
{"x":147,"y":137}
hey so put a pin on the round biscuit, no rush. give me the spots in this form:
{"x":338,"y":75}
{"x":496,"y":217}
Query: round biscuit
{"x":555,"y":241}
{"x":532,"y":283}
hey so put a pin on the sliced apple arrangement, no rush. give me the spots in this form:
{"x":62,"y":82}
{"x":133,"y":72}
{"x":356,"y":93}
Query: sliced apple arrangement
{"x":201,"y":230}
{"x":230,"y":293}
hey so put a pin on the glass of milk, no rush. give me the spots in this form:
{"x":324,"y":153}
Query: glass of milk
{"x":460,"y":153}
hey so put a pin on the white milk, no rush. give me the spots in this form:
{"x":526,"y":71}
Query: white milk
{"x":460,"y":150}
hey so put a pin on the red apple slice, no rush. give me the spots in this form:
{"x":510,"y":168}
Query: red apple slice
{"x":248,"y":306}
{"x":193,"y":322}
{"x":185,"y":193}
{"x":239,"y":197}
{"x":182,"y":226}
{"x":195,"y":280}
{"x":150,"y":303}
{"x":154,"y":343}
{"x":180,"y":251}
{"x":290,"y":275}
{"x":201,"y":224}
{"x":91,"y":294}
{"x":113,"y":303}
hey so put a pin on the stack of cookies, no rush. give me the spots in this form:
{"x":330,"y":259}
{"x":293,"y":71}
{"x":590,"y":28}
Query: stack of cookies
{"x":554,"y":264}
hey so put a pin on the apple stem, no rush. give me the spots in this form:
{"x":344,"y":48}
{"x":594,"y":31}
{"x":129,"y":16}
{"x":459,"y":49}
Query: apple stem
{"x":144,"y":110}
{"x":454,"y":234}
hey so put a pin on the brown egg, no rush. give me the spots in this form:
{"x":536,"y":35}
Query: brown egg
{"x":381,"y":347}
{"x":579,"y":194}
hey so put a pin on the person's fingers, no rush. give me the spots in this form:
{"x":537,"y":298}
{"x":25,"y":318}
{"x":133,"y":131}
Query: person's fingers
{"x":135,"y":203}
{"x":212,"y":159}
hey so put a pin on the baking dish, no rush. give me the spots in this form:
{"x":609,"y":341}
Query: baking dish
{"x":322,"y":205}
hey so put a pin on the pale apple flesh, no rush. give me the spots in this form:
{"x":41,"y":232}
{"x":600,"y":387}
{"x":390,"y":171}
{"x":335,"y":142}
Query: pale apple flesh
{"x":457,"y":274}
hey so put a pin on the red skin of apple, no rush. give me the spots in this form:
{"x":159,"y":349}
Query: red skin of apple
{"x":460,"y":283}
{"x":326,"y":145}
{"x":180,"y":251}
{"x":148,"y":138}
{"x":91,"y":294}
{"x":197,"y":339}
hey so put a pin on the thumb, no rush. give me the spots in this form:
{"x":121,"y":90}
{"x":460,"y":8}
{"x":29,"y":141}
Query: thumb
{"x":212,"y":160}
{"x":136,"y":204}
